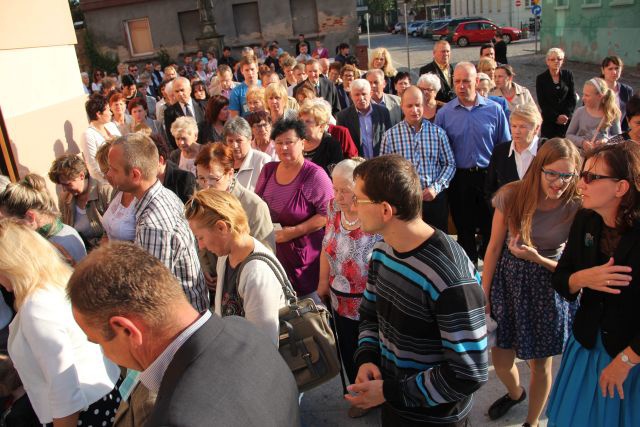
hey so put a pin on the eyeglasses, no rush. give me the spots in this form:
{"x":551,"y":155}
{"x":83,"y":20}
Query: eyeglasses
{"x":357,"y":201}
{"x":589,"y":177}
{"x":552,"y":176}
{"x":261,"y":125}
{"x":427,"y":89}
{"x":209,"y":180}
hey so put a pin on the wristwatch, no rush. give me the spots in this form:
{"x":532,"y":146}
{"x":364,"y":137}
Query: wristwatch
{"x":626,"y":359}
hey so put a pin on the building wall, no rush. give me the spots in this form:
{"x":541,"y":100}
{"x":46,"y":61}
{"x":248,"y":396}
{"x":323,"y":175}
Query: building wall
{"x":502,"y":12}
{"x":334,"y":21}
{"x":589,"y":32}
{"x":43,"y":103}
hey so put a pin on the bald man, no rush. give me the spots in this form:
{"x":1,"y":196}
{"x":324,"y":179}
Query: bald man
{"x":427,"y":147}
{"x":474,"y":125}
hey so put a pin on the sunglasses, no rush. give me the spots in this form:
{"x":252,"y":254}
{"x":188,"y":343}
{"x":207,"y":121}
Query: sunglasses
{"x":589,"y":177}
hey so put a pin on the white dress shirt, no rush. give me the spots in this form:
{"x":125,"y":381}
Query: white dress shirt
{"x":524,"y":159}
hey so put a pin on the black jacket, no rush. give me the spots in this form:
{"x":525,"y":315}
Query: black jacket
{"x":380,"y":119}
{"x":446,"y":93}
{"x":615,"y":317}
{"x":555,"y":100}
{"x":181,"y":182}
{"x":327,"y":91}
{"x":174,"y":111}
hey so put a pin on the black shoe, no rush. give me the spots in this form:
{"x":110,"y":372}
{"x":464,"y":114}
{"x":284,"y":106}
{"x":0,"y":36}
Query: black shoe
{"x":502,"y":405}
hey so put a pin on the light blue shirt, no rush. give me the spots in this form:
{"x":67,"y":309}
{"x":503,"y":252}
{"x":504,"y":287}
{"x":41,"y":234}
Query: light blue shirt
{"x":473,"y":133}
{"x":238,"y":99}
{"x":366,"y":132}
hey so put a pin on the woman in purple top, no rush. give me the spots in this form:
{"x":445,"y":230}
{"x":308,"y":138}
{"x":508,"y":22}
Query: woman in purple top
{"x":297,"y":192}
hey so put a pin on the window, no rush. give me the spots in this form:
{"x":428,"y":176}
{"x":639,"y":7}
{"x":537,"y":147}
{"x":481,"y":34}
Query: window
{"x":562,"y":4}
{"x":591,"y":3}
{"x":139,"y":34}
{"x":472,"y":26}
{"x":247,"y":19}
{"x":304,"y":16}
{"x":488,"y":26}
{"x":189,"y":28}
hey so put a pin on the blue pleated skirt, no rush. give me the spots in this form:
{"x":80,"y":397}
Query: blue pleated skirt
{"x":576,"y":398}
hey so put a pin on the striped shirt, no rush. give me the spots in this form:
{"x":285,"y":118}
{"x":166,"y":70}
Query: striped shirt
{"x":163,"y":231}
{"x":152,"y":376}
{"x":427,"y":149}
{"x":423,"y":324}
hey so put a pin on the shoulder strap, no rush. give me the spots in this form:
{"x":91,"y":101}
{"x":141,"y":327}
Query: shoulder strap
{"x":287,"y":289}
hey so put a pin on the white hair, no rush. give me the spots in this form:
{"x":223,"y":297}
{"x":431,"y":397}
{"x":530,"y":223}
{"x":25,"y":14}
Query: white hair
{"x":484,"y":76}
{"x":345,"y":169}
{"x":168,"y":88}
{"x":431,"y":80}
{"x":184,"y":124}
{"x":554,"y":51}
{"x":360,"y":84}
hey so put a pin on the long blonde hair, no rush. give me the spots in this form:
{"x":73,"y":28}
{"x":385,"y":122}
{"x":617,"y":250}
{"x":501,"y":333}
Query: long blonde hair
{"x":388,"y":69}
{"x":526,"y":194}
{"x":608,"y":103}
{"x":29,"y":262}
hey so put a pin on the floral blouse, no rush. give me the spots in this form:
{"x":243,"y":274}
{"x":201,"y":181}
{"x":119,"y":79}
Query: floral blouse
{"x":348,"y":253}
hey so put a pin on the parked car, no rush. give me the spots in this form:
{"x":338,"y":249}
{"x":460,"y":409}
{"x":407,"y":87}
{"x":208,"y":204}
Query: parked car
{"x":445,"y":33}
{"x":482,"y":32}
{"x":398,"y":28}
{"x":414,"y":27}
{"x":428,"y":27}
{"x":438,"y":30}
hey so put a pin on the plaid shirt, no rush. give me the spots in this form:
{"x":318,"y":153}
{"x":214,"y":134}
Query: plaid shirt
{"x":428,"y":149}
{"x":163,"y":231}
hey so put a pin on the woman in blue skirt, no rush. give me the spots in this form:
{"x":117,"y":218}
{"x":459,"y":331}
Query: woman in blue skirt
{"x":599,"y":380}
{"x":530,"y":227}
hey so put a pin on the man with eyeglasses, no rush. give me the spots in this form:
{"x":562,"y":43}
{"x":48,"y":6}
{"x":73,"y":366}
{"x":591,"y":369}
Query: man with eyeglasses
{"x":422,"y":348}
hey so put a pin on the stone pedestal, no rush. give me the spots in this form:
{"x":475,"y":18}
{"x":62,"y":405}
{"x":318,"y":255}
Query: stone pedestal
{"x":214,"y":42}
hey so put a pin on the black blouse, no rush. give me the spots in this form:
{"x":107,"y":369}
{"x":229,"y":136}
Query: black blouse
{"x":327,"y":154}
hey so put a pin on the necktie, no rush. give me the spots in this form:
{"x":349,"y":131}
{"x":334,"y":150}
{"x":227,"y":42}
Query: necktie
{"x":317,"y":89}
{"x":188,"y":110}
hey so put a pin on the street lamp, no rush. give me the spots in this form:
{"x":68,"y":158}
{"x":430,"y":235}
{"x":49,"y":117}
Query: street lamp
{"x":406,"y":33}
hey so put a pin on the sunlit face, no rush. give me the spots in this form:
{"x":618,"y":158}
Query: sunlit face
{"x":288,"y":73}
{"x":212,"y":238}
{"x":378,"y":62}
{"x":465,"y":80}
{"x":489,"y":52}
{"x":428,"y":92}
{"x":118,"y":349}
{"x":347,"y":78}
{"x":501,"y":78}
{"x":261,"y":131}
{"x":250,"y":72}
{"x":412,"y":107}
{"x":185,"y":140}
{"x":590,"y":96}
{"x":484,"y":87}
{"x":522,"y":132}
{"x":138,"y":114}
{"x":343,"y":192}
{"x":170,"y":74}
{"x":361,"y":98}
{"x":634,"y":127}
{"x":226,"y":80}
{"x":303,"y":49}
{"x":402,"y":85}
{"x":255,"y":103}
{"x":442,"y":53}
{"x":377,"y":85}
{"x":313,"y":72}
{"x":553,"y":187}
{"x":118,"y":108}
{"x":239,"y":144}
{"x":489,"y":70}
{"x":289,"y":147}
{"x":554,"y":63}
{"x":129,"y":91}
{"x":313,"y":128}
{"x":369,"y":214}
{"x":74,"y":186}
{"x":600,"y":194}
{"x":276,"y":105}
{"x":119,"y":179}
{"x":182,"y":91}
{"x":612,"y":72}
{"x":213,"y":176}
{"x":333,"y":74}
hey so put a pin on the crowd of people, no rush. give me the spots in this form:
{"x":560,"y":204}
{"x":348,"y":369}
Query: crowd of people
{"x":133,"y":301}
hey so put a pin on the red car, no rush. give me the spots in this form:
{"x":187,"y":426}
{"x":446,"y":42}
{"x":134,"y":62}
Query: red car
{"x":482,"y":32}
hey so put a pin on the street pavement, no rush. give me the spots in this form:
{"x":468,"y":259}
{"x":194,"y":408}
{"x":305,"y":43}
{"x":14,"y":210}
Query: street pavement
{"x":325,"y":405}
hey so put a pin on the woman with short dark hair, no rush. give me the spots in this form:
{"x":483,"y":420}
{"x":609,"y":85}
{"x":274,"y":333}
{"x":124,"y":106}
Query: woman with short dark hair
{"x":297,"y":192}
{"x":100,"y":129}
{"x":611,"y":71}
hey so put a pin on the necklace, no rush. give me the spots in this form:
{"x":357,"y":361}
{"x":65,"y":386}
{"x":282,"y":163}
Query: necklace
{"x":349,"y":223}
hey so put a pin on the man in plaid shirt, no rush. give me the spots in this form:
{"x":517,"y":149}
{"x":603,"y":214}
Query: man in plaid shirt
{"x":427,"y":147}
{"x":161,"y":228}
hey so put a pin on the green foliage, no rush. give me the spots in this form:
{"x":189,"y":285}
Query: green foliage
{"x":380,"y":6}
{"x":100,"y":61}
{"x":163,"y":57}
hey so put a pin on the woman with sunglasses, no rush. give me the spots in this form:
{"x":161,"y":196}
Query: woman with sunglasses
{"x":598,"y":382}
{"x":530,"y":227}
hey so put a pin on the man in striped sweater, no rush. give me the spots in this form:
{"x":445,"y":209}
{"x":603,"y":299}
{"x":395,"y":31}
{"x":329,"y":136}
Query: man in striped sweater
{"x":422,"y":348}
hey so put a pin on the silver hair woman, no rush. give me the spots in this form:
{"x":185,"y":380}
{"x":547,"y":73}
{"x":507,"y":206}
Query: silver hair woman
{"x":429,"y":84}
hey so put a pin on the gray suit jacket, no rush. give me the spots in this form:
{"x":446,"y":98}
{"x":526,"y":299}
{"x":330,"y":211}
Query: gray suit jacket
{"x":379,"y":118}
{"x":392,"y":102}
{"x":228,"y":373}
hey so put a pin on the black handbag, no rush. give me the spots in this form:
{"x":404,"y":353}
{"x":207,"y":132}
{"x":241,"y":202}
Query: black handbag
{"x":306,"y":342}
